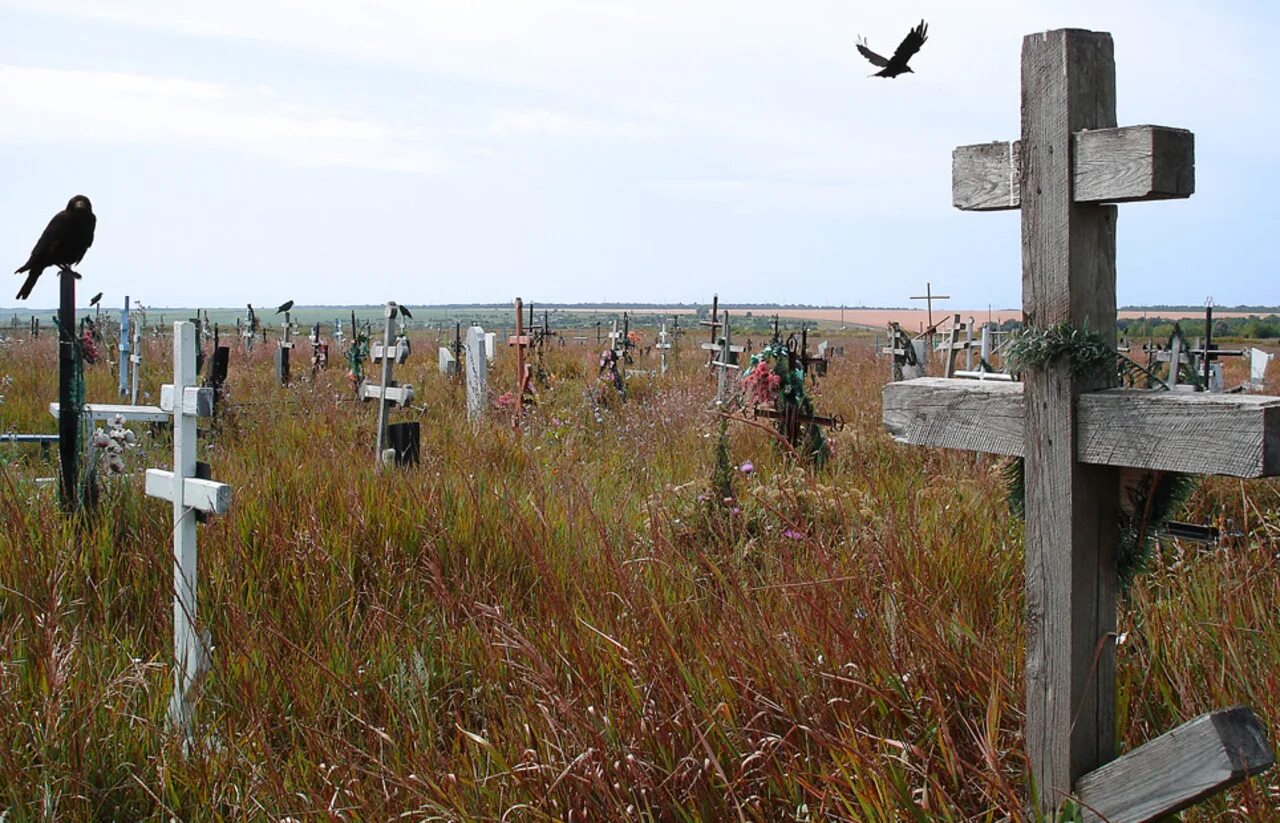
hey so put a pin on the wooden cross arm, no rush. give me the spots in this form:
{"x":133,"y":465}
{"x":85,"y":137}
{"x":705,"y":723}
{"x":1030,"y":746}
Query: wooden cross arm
{"x":1111,"y":166}
{"x":1177,"y":769}
{"x":202,"y":495}
{"x":1235,"y":435}
{"x":518,"y":340}
{"x":196,"y":400}
{"x":108,"y":411}
{"x":401,"y":395}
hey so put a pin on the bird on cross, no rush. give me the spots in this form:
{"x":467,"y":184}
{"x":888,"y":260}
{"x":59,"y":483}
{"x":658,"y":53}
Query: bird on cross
{"x":63,"y":243}
{"x":284,"y":307}
{"x":893,"y":66}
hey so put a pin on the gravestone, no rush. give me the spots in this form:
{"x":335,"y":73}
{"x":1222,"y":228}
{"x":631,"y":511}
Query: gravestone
{"x":1074,"y":432}
{"x":477,"y":372}
{"x":448,"y":363}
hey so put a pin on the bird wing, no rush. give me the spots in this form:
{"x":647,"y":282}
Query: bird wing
{"x":48,"y":243}
{"x":405,"y":311}
{"x":876,"y":60}
{"x":911,"y":44}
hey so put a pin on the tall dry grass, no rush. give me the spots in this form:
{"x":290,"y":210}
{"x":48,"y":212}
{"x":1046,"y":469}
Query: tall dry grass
{"x":553,"y":626}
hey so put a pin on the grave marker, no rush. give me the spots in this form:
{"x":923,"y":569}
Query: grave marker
{"x":388,"y":393}
{"x":1073,"y":430}
{"x":524,"y":371}
{"x":477,"y":372}
{"x":189,"y":495}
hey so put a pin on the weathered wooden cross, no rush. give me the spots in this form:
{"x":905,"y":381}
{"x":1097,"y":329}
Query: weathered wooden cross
{"x":1075,"y":431}
{"x":928,"y":297}
{"x":190,"y":495}
{"x":524,"y":370}
{"x":388,"y":392}
{"x":714,"y":324}
{"x":124,"y":348}
{"x":284,"y":349}
{"x":724,"y":357}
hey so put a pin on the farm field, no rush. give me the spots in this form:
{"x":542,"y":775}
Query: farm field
{"x":569,"y":622}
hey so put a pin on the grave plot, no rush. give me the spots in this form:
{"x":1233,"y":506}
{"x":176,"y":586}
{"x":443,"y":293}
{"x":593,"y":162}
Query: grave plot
{"x":774,"y":384}
{"x":1074,"y":432}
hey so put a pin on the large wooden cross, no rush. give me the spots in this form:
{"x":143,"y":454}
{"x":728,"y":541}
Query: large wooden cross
{"x":1074,"y":431}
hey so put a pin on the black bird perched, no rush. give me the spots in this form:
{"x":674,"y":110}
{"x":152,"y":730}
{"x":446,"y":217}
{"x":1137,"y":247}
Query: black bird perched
{"x":405,"y":311}
{"x":284,"y":307}
{"x":95,"y":299}
{"x":63,"y":244}
{"x":897,"y":64}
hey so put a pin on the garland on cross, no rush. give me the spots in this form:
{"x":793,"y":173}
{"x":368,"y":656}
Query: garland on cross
{"x":774,"y":378}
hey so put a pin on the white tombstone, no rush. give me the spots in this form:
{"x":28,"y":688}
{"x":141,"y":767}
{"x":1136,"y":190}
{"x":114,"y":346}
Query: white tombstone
{"x":1258,"y":360}
{"x":478,"y":342}
{"x":490,"y":345}
{"x":448,"y":363}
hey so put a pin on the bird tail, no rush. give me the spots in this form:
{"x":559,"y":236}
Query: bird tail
{"x":29,"y":284}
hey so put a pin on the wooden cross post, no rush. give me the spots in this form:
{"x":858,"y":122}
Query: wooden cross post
{"x":663,"y":345}
{"x":524,"y":371}
{"x":928,"y":297}
{"x":285,"y":347}
{"x":714,"y":325}
{"x":1074,"y":431}
{"x":68,"y":424}
{"x":388,"y":393}
{"x":186,"y":402}
{"x":724,"y":357}
{"x":124,"y":348}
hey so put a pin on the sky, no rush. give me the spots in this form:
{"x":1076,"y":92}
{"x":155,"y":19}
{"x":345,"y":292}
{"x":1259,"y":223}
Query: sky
{"x":649,"y":150}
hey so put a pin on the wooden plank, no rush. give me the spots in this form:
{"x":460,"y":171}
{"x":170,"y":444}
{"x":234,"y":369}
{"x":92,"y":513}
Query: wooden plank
{"x":1068,"y":275}
{"x":204,"y":495}
{"x":1236,"y":435}
{"x":1114,"y":165}
{"x":1177,"y":769}
{"x":1134,"y":163}
{"x":196,"y":400}
{"x":107,"y":411}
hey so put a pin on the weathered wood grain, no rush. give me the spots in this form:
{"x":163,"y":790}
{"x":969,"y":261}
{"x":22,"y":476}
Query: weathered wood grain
{"x":1068,"y":275}
{"x":1116,"y":165}
{"x":1229,"y":434}
{"x":1134,"y":163}
{"x":1177,"y":769}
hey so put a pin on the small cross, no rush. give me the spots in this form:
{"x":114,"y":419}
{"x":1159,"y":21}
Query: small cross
{"x":928,"y":297}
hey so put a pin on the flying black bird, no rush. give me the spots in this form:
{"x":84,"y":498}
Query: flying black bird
{"x":284,"y":307}
{"x":405,"y":311}
{"x":63,"y":244}
{"x":95,"y":299}
{"x":897,"y":64}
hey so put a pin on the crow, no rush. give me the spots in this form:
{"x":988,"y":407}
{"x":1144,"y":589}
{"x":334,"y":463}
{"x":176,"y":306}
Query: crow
{"x":906,"y":49}
{"x":63,"y":244}
{"x":284,"y":307}
{"x":405,"y":311}
{"x":95,"y":299}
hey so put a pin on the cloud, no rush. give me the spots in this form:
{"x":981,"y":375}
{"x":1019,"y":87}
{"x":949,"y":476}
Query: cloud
{"x":116,"y":107}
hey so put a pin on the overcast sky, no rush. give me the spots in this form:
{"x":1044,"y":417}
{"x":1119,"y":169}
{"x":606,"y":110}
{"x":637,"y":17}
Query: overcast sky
{"x":656,"y":150}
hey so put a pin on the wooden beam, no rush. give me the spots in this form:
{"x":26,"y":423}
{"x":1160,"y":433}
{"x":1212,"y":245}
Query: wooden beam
{"x":108,"y":411}
{"x":1116,"y":165}
{"x":204,"y":495}
{"x":196,"y":400}
{"x":1177,"y":769}
{"x":1229,"y":434}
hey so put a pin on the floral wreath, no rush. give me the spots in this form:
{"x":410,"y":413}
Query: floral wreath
{"x":769,"y":379}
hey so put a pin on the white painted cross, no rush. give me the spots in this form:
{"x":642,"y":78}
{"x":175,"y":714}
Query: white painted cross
{"x":186,"y":402}
{"x":1075,"y":430}
{"x":477,"y":372}
{"x":663,"y":346}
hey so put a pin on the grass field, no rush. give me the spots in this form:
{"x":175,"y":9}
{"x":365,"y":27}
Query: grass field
{"x":555,"y":625}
